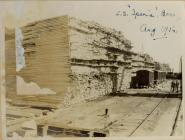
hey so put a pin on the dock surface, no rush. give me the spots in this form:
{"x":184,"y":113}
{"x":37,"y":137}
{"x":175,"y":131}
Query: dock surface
{"x":127,"y":116}
{"x":139,"y":112}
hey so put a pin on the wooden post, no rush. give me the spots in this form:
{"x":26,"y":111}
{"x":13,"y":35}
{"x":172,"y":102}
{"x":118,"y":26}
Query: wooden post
{"x":42,"y":130}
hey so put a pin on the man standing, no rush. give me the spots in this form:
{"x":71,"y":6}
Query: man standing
{"x":172,"y":85}
{"x":177,"y":85}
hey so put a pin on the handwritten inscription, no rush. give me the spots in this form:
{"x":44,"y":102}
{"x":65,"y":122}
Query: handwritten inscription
{"x":156,"y":32}
{"x":147,"y":13}
{"x":151,"y":13}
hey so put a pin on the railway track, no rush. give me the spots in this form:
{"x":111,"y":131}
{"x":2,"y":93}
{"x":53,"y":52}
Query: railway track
{"x":165,"y":97}
{"x":146,"y":117}
{"x":175,"y":122}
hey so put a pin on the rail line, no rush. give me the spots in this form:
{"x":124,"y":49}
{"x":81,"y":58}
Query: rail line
{"x":175,"y":122}
{"x":164,"y":98}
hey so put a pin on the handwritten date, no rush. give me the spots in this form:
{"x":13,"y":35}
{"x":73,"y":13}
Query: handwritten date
{"x":158,"y":32}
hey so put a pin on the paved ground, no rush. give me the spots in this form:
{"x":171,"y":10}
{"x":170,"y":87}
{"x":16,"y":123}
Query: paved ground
{"x":127,"y":116}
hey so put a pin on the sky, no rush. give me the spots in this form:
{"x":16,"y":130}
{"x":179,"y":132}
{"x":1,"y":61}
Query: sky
{"x":155,"y":28}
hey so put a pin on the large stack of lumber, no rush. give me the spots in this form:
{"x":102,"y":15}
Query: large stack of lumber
{"x":46,"y":52}
{"x":10,"y":63}
{"x":78,"y":60}
{"x":142,"y":61}
{"x":100,"y":60}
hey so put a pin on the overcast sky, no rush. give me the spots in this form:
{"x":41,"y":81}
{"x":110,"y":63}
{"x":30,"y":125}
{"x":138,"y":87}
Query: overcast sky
{"x":159,"y":32}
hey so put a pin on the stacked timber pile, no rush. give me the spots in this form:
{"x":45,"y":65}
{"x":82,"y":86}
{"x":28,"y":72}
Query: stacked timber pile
{"x":100,"y":60}
{"x":149,"y":61}
{"x":142,"y":61}
{"x":46,"y":52}
{"x":10,"y":63}
{"x":77,"y":60}
{"x":137,"y":62}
